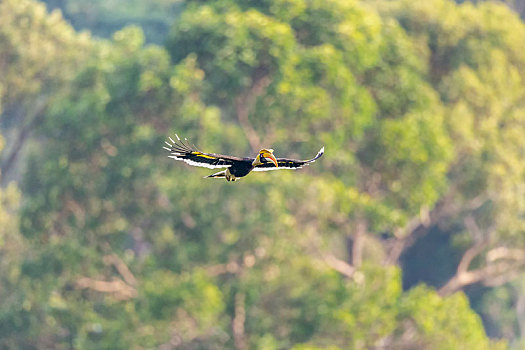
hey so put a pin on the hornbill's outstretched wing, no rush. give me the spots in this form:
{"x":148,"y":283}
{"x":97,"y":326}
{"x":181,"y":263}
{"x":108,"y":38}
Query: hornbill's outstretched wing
{"x":285,"y":163}
{"x":183,"y":151}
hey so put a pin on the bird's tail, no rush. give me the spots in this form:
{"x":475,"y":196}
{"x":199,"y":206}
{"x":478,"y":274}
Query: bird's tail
{"x":219,"y":175}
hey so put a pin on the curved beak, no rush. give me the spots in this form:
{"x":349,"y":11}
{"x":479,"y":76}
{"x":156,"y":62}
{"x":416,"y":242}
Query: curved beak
{"x":272,"y":158}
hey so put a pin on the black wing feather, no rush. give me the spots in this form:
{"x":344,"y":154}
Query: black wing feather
{"x":285,"y":163}
{"x":183,"y":151}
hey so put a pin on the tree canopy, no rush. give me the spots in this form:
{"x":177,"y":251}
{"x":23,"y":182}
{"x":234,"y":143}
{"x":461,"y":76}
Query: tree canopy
{"x":407,"y":234}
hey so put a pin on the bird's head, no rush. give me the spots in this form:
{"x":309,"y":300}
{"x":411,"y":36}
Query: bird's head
{"x":265,"y":156}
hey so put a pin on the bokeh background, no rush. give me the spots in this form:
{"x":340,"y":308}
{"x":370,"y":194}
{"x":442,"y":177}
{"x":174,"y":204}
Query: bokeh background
{"x":408,"y":234}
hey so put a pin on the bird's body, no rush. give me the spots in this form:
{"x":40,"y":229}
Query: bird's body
{"x":240,"y":169}
{"x":236,"y":167}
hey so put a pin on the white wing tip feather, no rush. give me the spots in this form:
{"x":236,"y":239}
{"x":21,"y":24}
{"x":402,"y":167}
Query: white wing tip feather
{"x":193,"y":163}
{"x":317,"y":156}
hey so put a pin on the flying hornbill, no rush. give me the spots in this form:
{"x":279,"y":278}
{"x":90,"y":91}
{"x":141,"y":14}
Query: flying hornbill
{"x":236,"y":167}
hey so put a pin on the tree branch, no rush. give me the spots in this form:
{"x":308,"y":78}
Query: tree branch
{"x":122,"y":269}
{"x":245,"y":103}
{"x":505,"y":253}
{"x":483,"y":275}
{"x":520,"y":311}
{"x":476,"y":249}
{"x":34,"y":116}
{"x":117,"y":287}
{"x":357,"y":243}
{"x":239,"y":338}
{"x":502,"y":264}
{"x":469,"y":255}
{"x":500,"y":280}
{"x":405,"y":237}
{"x":340,"y":266}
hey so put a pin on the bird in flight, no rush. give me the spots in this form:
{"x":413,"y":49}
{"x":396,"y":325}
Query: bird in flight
{"x":236,"y":167}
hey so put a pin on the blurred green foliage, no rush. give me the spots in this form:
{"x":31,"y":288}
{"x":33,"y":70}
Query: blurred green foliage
{"x":103,"y":17}
{"x":420,"y":106}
